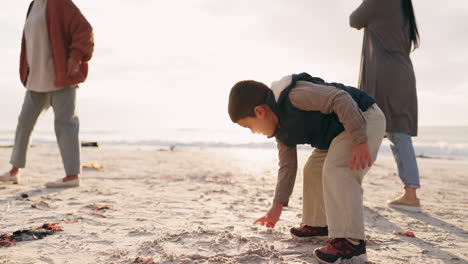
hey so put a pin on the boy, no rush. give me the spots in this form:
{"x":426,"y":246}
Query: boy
{"x":345,"y":127}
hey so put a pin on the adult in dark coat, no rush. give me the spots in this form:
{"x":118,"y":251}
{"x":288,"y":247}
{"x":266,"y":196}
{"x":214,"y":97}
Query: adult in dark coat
{"x":387,"y":75}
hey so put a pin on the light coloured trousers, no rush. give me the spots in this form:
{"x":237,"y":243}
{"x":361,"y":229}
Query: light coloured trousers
{"x":332,"y":194}
{"x":405,"y":158}
{"x":66,"y":125}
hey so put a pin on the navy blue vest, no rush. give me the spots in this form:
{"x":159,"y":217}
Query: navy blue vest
{"x":310,"y":127}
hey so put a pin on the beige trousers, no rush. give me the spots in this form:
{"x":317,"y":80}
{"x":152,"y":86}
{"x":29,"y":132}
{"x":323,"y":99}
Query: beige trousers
{"x":332,"y":193}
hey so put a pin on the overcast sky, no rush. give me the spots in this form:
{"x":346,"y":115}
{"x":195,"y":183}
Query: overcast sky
{"x":172,"y":63}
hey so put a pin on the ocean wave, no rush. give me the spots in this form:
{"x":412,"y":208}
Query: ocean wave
{"x":425,"y":146}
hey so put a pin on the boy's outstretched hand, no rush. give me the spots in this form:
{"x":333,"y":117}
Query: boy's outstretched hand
{"x":272,"y":217}
{"x":360,"y":157}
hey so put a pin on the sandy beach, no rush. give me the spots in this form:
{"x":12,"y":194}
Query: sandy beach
{"x":198,"y":206}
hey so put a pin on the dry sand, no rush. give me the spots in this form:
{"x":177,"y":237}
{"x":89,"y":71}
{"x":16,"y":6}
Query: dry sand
{"x":197,"y":206}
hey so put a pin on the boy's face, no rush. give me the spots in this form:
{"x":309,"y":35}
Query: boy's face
{"x":264,"y":122}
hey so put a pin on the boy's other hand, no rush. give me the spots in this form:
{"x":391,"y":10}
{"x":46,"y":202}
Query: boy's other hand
{"x":272,"y":217}
{"x":360,"y":157}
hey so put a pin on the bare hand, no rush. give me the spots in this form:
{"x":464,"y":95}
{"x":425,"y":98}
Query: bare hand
{"x":73,"y":66}
{"x":360,"y":157}
{"x":272,"y":217}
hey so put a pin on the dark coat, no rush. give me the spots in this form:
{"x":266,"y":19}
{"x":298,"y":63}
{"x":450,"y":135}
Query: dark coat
{"x":386,"y":69}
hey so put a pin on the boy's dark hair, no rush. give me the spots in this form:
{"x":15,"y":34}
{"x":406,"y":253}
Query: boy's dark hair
{"x":244,"y":97}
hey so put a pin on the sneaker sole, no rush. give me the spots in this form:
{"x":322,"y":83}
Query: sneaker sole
{"x":361,"y":259}
{"x":14,"y":181}
{"x":416,"y":209}
{"x":307,"y":239}
{"x":61,"y":186}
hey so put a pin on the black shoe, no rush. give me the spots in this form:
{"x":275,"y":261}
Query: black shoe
{"x":305,"y":232}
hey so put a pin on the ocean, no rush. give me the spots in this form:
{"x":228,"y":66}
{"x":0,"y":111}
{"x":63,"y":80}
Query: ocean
{"x":432,"y":142}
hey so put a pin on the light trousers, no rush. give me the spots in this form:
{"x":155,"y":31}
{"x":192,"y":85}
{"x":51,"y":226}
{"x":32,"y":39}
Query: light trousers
{"x":405,"y":158}
{"x":66,"y":125}
{"x":332,"y":194}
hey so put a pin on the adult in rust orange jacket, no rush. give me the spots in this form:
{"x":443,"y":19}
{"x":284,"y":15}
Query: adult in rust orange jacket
{"x":56,"y":47}
{"x":71,"y":41}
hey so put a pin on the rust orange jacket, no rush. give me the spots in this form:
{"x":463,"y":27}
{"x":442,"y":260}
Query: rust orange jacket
{"x":70,"y":35}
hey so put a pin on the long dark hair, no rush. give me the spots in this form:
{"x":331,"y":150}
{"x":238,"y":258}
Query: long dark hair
{"x":408,"y":12}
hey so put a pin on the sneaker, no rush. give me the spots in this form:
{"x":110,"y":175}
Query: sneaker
{"x":63,"y":184}
{"x":340,"y":250}
{"x":7,"y":177}
{"x":401,"y":202}
{"x":305,"y":232}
